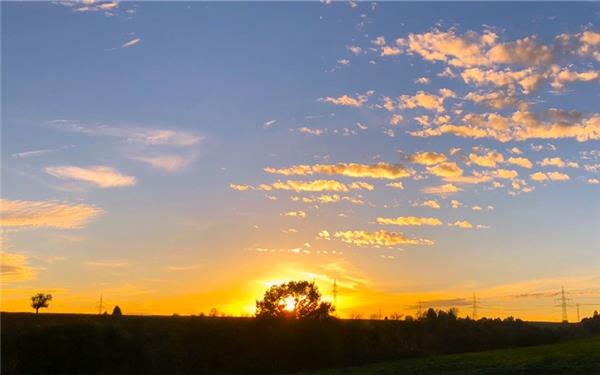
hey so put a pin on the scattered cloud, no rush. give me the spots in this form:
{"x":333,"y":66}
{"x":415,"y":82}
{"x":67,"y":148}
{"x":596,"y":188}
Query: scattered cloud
{"x":378,"y":238}
{"x":409,"y":221}
{"x":379,"y":170}
{"x":98,"y":175}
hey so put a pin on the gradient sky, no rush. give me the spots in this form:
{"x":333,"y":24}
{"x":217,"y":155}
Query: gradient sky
{"x":179,"y":157}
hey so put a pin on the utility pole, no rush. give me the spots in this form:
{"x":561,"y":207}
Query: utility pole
{"x":578,"y":320}
{"x":419,"y":310}
{"x":474,"y":307}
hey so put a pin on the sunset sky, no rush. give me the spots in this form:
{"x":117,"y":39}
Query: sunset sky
{"x":178,"y":157}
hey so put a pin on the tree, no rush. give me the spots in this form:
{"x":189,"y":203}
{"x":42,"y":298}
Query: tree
{"x":40,"y":300}
{"x":295,"y":300}
{"x":117,"y":311}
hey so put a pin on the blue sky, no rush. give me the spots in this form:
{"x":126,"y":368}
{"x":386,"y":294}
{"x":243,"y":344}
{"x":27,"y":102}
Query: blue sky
{"x":135,"y":138}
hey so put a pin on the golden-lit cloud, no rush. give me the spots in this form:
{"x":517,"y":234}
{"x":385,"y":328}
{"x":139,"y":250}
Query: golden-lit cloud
{"x":15,"y":267}
{"x":409,"y":221}
{"x":306,"y":186}
{"x":593,"y":181}
{"x":552,"y":176}
{"x":301,"y":214}
{"x":461,"y":224}
{"x":446,"y":169}
{"x":49,"y":214}
{"x":442,"y":189}
{"x":101,"y":176}
{"x":379,"y":170}
{"x":520,"y":161}
{"x":378,"y":238}
{"x":427,"y":158}
{"x":489,"y":159}
{"x":328,"y":198}
{"x":520,"y":126}
{"x":426,"y":100}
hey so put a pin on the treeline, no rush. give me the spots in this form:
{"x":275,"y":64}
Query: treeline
{"x":53,"y":343}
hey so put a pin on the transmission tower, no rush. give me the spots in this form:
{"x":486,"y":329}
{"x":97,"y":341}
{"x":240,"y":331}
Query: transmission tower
{"x":100,"y":306}
{"x":474,"y":307}
{"x":419,"y":310}
{"x":563,"y":305}
{"x":335,"y":293}
{"x":578,"y":320}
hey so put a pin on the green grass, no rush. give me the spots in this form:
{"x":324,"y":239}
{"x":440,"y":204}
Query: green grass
{"x":571,"y":357}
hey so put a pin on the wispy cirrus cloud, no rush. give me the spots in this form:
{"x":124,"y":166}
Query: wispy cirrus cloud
{"x":46,"y":214}
{"x":14,"y":267}
{"x":98,"y":175}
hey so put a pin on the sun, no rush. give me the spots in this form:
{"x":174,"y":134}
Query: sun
{"x":290,"y":304}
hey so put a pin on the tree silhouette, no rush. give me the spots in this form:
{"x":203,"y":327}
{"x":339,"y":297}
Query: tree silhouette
{"x":40,"y":300}
{"x":295,"y":299}
{"x":117,"y":311}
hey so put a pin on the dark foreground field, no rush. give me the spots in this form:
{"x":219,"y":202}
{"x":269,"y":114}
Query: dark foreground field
{"x":94,"y":344}
{"x":580,"y":356}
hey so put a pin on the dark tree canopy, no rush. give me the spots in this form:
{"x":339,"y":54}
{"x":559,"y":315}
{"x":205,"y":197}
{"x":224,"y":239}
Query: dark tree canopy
{"x":295,"y":300}
{"x":117,"y":311}
{"x":40,"y":300}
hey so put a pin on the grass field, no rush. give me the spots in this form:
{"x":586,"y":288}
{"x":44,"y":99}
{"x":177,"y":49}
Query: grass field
{"x":571,"y":357}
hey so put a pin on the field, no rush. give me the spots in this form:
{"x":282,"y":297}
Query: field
{"x":95,"y":344}
{"x":580,"y":356}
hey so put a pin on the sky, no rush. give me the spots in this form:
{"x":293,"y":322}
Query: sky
{"x":179,"y":157}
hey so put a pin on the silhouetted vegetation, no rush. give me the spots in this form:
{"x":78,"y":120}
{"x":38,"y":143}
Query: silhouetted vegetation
{"x":40,"y":300}
{"x":295,"y":300}
{"x":117,"y":311}
{"x":56,"y":343}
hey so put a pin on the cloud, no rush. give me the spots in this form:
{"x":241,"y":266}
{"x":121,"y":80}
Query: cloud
{"x":306,"y":186}
{"x":168,"y":163}
{"x":593,"y":181}
{"x":328,"y":198}
{"x":426,"y":100}
{"x":396,"y":185}
{"x":101,"y":176}
{"x":561,"y":77}
{"x":558,"y":162}
{"x":379,"y":170}
{"x":310,"y":131}
{"x":520,"y":126}
{"x":269,"y":124}
{"x":427,"y":158}
{"x":354,"y":49}
{"x":428,"y":203}
{"x":106,"y":263}
{"x":409,"y":221}
{"x":446,"y":169}
{"x":34,"y":153}
{"x":131,"y":43}
{"x":520,"y":161}
{"x":447,"y":46}
{"x":455,"y":203}
{"x":301,"y":214}
{"x":49,"y":214}
{"x":346,"y":100}
{"x":490,"y":159}
{"x":15,"y":267}
{"x":552,"y":176}
{"x":461,"y":224}
{"x":134,"y":135}
{"x":378,"y":238}
{"x":442,"y":189}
